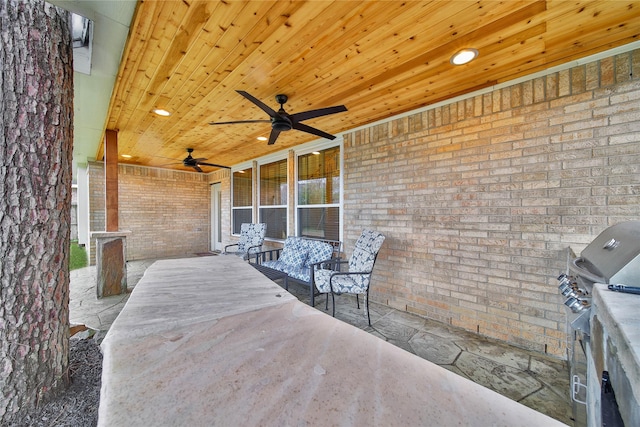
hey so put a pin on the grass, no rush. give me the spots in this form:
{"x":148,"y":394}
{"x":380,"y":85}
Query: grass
{"x":78,"y":258}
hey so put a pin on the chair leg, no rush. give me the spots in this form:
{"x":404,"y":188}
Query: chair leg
{"x":366,"y":297}
{"x":326,"y":302}
{"x":333,"y":303}
{"x":358,"y":301}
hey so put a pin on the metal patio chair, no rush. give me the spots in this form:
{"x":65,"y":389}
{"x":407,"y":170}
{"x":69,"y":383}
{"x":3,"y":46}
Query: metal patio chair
{"x":251,"y":240}
{"x":358,"y":276}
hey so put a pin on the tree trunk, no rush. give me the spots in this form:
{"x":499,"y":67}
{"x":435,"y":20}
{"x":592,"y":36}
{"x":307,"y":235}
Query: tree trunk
{"x":36,"y":132}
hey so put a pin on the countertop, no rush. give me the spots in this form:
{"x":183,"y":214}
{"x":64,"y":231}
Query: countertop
{"x":210,"y":341}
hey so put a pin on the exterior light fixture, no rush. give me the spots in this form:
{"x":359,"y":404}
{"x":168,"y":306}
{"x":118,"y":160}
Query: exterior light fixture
{"x":262,"y":138}
{"x":464,"y":56}
{"x":161,"y":112}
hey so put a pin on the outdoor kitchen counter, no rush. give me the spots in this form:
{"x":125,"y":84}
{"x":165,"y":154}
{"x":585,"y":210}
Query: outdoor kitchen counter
{"x":210,"y":341}
{"x":615,"y":347}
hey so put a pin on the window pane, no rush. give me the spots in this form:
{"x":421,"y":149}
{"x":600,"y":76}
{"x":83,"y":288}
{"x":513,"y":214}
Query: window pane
{"x":240,"y":216}
{"x":321,"y":223}
{"x":273,"y":184}
{"x":319,"y":178}
{"x":276,"y":220}
{"x":242,"y":188}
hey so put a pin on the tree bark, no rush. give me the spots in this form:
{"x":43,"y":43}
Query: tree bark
{"x":36,"y":133}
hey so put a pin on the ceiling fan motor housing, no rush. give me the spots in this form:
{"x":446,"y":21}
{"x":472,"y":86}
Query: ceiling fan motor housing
{"x":281,"y":123}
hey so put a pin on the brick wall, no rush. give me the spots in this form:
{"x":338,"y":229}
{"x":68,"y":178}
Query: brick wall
{"x":97,"y":213}
{"x":166,"y":211}
{"x":481,"y":198}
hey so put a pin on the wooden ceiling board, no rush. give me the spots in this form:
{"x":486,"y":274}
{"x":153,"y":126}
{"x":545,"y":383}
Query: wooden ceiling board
{"x":159,"y":60}
{"x":199,"y":100}
{"x":379,"y":59}
{"x":214,"y":44}
{"x":143,"y":58}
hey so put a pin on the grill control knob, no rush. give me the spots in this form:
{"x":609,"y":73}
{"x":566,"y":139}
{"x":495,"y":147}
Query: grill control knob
{"x":569,"y":292}
{"x":574,"y":304}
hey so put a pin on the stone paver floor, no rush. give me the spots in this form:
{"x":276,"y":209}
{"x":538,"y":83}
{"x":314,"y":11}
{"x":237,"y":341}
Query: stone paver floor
{"x":535,"y":380}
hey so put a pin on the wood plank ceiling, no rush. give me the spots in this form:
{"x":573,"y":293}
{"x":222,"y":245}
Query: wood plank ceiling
{"x":378,"y":58}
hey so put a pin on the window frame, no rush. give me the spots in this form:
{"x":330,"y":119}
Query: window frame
{"x":267,"y":161}
{"x":309,"y":149}
{"x":292,"y":206}
{"x":244,"y":207}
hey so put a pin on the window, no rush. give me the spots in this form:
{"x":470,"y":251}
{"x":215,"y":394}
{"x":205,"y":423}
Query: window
{"x":319,"y":194}
{"x":273,"y":198}
{"x":242,"y":207}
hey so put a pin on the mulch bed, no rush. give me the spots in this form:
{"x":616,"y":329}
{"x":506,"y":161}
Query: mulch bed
{"x":76,"y":406}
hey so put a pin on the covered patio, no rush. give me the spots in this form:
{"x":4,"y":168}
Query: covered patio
{"x":482,"y":176}
{"x":485,"y":177}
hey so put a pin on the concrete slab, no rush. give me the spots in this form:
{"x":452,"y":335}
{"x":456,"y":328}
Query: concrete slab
{"x":203,"y":342}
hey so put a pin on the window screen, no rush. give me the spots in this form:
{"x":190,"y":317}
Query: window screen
{"x":241,"y":206}
{"x":273,"y":198}
{"x":319,"y":194}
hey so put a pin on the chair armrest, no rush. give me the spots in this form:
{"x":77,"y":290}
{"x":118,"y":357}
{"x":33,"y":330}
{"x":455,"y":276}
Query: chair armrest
{"x":331,"y":263}
{"x":250,"y":254}
{"x":228,"y":246}
{"x":254,"y":247}
{"x":347,"y":273}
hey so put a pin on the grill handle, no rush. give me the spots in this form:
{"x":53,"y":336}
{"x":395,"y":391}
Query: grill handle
{"x":585,"y":273}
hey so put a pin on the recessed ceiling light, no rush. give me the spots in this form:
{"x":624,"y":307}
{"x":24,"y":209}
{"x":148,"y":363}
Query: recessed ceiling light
{"x":464,"y":56}
{"x":161,"y":112}
{"x":262,"y":138}
{"x":126,"y":156}
{"x":317,"y":153}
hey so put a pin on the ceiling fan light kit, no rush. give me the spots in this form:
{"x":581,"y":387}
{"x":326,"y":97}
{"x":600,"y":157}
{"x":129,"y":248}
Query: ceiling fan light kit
{"x":281,"y":121}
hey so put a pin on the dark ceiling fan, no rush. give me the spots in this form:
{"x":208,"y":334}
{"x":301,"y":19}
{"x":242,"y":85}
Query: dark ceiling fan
{"x":281,"y":121}
{"x":190,"y":162}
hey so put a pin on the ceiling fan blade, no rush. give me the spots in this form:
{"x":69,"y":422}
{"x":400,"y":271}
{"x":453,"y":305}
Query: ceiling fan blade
{"x":196,"y":167}
{"x":305,"y":115}
{"x":259,"y":103}
{"x":240,"y":121}
{"x":313,"y":131}
{"x":273,"y":136}
{"x":214,"y":165}
{"x":199,"y":159}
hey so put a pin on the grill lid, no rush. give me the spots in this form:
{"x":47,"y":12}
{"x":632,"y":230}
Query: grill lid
{"x":613,"y":256}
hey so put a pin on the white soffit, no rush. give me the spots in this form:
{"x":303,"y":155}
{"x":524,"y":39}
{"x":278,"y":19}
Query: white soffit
{"x":92,"y":93}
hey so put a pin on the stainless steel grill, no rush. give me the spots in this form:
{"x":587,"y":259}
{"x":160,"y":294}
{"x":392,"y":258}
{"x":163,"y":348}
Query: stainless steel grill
{"x":612,"y":258}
